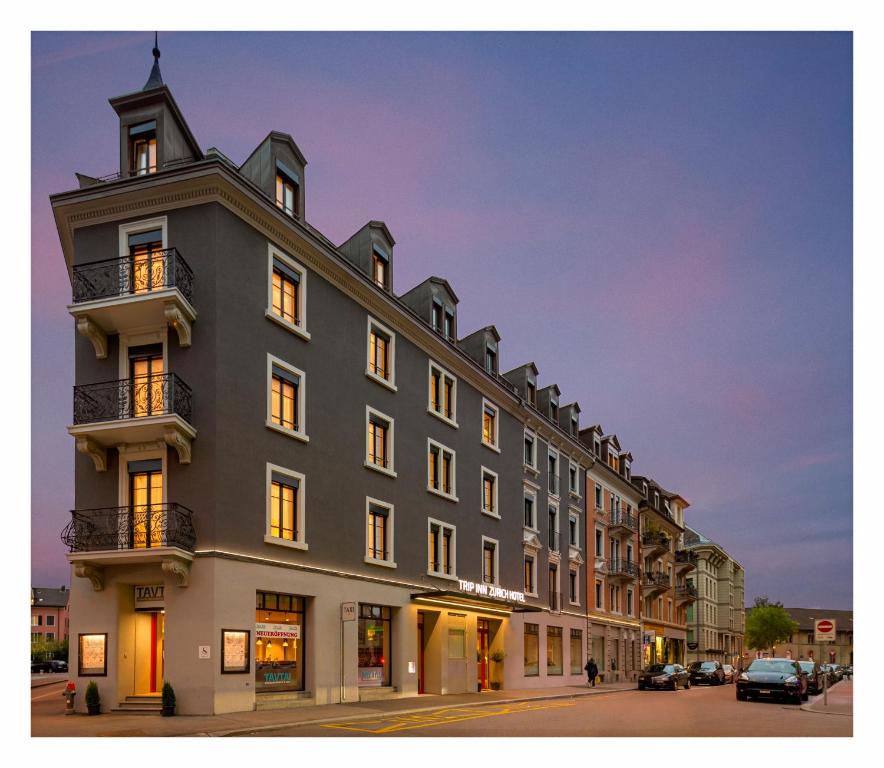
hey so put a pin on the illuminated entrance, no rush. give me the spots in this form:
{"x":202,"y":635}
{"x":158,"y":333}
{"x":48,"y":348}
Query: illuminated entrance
{"x":482,"y":633}
{"x":150,"y":630}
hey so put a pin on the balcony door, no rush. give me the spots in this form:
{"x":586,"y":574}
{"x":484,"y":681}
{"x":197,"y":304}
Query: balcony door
{"x":146,"y":381}
{"x":146,"y":510}
{"x":147,"y":261}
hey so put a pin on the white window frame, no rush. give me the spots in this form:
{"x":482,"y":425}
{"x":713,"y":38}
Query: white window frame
{"x":495,"y":446}
{"x":599,"y":497}
{"x":301,"y":525}
{"x":576,"y":572}
{"x":453,"y":495}
{"x":298,"y":434}
{"x":142,"y":225}
{"x":533,"y":555}
{"x":575,"y":516}
{"x":391,"y":354}
{"x":391,"y":470}
{"x":299,"y":329}
{"x":529,"y":491}
{"x":599,"y":593}
{"x":443,"y":373}
{"x":496,"y":512}
{"x":575,"y":491}
{"x":453,"y":549}
{"x":390,"y":562}
{"x":496,"y":543}
{"x":533,"y":466}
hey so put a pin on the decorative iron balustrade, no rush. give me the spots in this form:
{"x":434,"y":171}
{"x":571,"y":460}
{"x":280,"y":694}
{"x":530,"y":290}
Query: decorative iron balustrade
{"x":655,"y":579}
{"x":133,"y":275}
{"x":144,"y":526}
{"x":623,"y":519}
{"x":685,"y":557}
{"x":152,"y":395}
{"x":623,"y":568}
{"x":655,"y":539}
{"x":686,"y":591}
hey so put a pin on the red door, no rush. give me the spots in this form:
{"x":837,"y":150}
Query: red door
{"x":482,"y":648}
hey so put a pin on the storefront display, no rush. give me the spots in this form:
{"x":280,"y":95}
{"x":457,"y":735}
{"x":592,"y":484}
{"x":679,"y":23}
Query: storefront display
{"x":532,"y":650}
{"x":279,"y":642}
{"x":374,"y":645}
{"x":576,"y":652}
{"x":553,"y":650}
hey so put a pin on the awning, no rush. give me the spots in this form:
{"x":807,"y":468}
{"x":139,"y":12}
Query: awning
{"x":449,"y":598}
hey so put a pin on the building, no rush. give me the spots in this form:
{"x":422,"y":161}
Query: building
{"x":716,"y":621}
{"x":666,"y":592}
{"x":802,"y":645}
{"x":49,"y":614}
{"x":613,"y":580}
{"x":293,"y":485}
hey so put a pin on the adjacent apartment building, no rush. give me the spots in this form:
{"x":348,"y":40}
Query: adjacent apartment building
{"x":717,"y":620}
{"x":49,"y":614}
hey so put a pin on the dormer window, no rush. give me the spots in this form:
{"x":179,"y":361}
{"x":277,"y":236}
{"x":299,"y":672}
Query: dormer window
{"x":626,"y":469}
{"x":656,"y":500}
{"x":437,"y":317}
{"x":554,"y":411}
{"x":645,"y":489}
{"x":286,"y":193}
{"x":379,"y":264}
{"x":449,"y":325}
{"x":490,"y":359}
{"x":574,"y":424}
{"x":143,"y":148}
{"x":597,"y":446}
{"x":532,"y":393}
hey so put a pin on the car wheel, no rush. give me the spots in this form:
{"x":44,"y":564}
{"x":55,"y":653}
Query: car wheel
{"x":805,"y":696}
{"x":741,"y":696}
{"x":641,"y":687}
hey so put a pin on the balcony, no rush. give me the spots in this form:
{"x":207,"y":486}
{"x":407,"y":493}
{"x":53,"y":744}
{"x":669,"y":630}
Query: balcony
{"x":654,"y":543}
{"x":622,"y":523}
{"x":685,"y":593}
{"x":654,"y":581}
{"x":158,"y":533}
{"x":121,"y":294}
{"x":684,"y":560}
{"x":622,"y":570}
{"x":138,"y":410}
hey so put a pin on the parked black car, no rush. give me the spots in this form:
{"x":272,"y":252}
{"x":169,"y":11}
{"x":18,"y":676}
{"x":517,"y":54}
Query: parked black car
{"x":668,"y":676}
{"x":815,"y":676}
{"x":773,"y":679}
{"x":709,"y":672}
{"x":53,"y":665}
{"x":835,"y":673}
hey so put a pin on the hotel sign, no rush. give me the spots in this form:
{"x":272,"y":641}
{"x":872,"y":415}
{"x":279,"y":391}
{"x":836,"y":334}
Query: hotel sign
{"x":489,"y":590}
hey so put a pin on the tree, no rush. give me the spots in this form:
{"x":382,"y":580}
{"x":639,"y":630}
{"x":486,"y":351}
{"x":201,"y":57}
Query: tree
{"x":768,"y":624}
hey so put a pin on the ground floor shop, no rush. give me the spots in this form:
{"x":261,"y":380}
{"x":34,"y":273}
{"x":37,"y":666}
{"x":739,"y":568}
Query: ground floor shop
{"x":235,"y":634}
{"x":616,"y":648}
{"x":663,"y":644}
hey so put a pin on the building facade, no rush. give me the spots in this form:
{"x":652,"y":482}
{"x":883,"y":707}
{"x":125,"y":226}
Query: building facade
{"x":803,"y":645}
{"x":49,"y":614}
{"x":716,"y":621}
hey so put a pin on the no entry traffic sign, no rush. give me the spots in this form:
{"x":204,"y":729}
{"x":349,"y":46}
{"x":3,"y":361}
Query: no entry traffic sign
{"x":824,"y":631}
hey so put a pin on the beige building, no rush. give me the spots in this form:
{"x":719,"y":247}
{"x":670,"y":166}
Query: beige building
{"x":717,"y":621}
{"x":801,"y":645}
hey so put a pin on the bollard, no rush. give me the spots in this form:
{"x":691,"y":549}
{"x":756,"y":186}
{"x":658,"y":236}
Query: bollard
{"x":69,"y":692}
{"x":826,"y":690}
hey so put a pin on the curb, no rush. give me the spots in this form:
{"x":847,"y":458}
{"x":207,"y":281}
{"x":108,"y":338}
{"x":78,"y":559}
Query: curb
{"x":414,"y":710}
{"x":38,"y":683}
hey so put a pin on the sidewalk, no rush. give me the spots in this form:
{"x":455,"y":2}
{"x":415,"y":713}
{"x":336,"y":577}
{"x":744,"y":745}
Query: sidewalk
{"x":840,"y":700}
{"x":57,"y":723}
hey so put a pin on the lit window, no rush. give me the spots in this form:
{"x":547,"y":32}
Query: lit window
{"x":443,"y":394}
{"x":489,"y":560}
{"x":489,"y":492}
{"x":143,"y":148}
{"x":286,"y":397}
{"x":489,"y":424}
{"x":287,"y":191}
{"x":440,"y":470}
{"x":379,"y":450}
{"x":381,"y":348}
{"x":285,"y":507}
{"x":287,"y":299}
{"x":379,"y":533}
{"x":380,"y":263}
{"x":440,"y":548}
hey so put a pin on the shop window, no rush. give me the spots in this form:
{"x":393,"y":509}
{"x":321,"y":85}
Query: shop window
{"x":553,"y":650}
{"x":576,"y":651}
{"x":532,"y":650}
{"x":374,"y":646}
{"x":279,"y":642}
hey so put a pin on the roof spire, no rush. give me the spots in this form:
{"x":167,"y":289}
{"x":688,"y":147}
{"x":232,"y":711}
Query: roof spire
{"x":156,"y":79}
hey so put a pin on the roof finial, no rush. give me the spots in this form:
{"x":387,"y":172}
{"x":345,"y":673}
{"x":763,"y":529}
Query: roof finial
{"x":156,"y":79}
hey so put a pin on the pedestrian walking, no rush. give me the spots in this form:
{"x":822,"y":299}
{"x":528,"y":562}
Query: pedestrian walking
{"x":592,"y":672}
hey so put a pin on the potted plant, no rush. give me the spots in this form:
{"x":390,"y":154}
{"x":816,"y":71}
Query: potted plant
{"x":93,"y":699}
{"x":497,"y":657}
{"x":168,"y":700}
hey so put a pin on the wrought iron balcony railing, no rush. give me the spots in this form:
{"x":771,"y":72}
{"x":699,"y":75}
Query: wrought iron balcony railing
{"x":686,"y":557}
{"x":140,"y":527}
{"x":686,"y":591}
{"x":153,"y":395}
{"x":133,"y":275}
{"x":619,"y":518}
{"x":623,"y":568}
{"x":655,"y":579}
{"x":655,"y":539}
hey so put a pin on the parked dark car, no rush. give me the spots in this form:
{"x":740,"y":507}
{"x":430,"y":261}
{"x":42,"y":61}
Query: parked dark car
{"x":667,"y":676}
{"x":773,"y":679}
{"x":709,"y":672}
{"x":730,"y":674}
{"x":815,"y":676}
{"x":847,"y":671}
{"x":39,"y":666}
{"x":834,"y":672}
{"x":53,"y":665}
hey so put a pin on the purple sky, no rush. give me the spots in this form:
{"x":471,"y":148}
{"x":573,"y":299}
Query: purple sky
{"x":662,"y":222}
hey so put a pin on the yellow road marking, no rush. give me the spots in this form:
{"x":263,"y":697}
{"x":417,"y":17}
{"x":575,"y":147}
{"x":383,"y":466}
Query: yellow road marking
{"x":414,"y":720}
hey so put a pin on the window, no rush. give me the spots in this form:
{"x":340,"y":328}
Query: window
{"x":37,"y":621}
{"x":379,"y":532}
{"x":489,"y":425}
{"x":374,"y":640}
{"x":574,"y":425}
{"x":598,"y":496}
{"x":287,"y":191}
{"x":530,"y":577}
{"x":573,"y":530}
{"x":489,"y":492}
{"x":598,"y":447}
{"x":279,"y":649}
{"x":599,"y":551}
{"x":530,"y":450}
{"x":573,"y":478}
{"x":441,"y":470}
{"x":532,"y":650}
{"x":629,"y":602}
{"x":50,"y":621}
{"x":286,"y":393}
{"x":552,"y":587}
{"x":598,"y":595}
{"x":440,"y":548}
{"x":285,"y":507}
{"x":381,"y":345}
{"x":50,"y":636}
{"x":380,"y":263}
{"x":143,"y":148}
{"x":553,"y":529}
{"x":489,"y":561}
{"x":553,"y":462}
{"x":379,"y":445}
{"x":532,"y":393}
{"x":443,"y":394}
{"x":491,"y":359}
{"x":576,"y":650}
{"x":286,"y":292}
{"x":437,"y":316}
{"x":554,"y":411}
{"x":530,"y":499}
{"x":553,"y":650}
{"x":449,"y":325}
{"x":572,"y":587}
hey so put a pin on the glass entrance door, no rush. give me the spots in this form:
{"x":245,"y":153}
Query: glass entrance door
{"x":482,"y":632}
{"x":146,"y":381}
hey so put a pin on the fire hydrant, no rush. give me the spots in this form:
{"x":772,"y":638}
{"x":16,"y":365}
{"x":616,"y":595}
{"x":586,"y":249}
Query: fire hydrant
{"x":69,"y":692}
